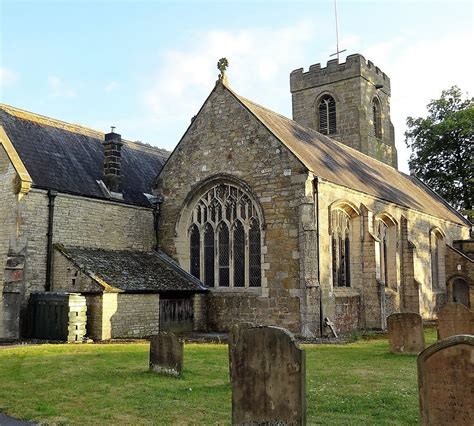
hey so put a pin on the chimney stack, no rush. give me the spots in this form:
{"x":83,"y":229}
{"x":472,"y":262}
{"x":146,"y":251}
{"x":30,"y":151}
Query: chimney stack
{"x":112,"y":161}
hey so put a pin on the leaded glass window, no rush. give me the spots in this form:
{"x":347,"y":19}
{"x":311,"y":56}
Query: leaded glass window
{"x":327,"y":115}
{"x":340,"y":242}
{"x":228,"y":254}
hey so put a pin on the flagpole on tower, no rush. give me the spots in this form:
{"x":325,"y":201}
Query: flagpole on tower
{"x":337,"y":35}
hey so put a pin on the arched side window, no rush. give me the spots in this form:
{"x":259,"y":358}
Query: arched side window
{"x":386,"y":256}
{"x":341,"y":248}
{"x":382,"y":252}
{"x":377,"y":118}
{"x":229,"y":253}
{"x":437,"y":246}
{"x":327,"y":115}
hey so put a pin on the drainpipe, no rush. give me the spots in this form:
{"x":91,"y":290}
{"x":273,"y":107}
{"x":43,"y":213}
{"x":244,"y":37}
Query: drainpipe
{"x":316,"y":203}
{"x":49,"y":253}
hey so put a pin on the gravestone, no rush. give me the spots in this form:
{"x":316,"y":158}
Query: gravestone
{"x":455,"y":319}
{"x":166,"y":354}
{"x":405,"y":333}
{"x":445,"y":382}
{"x":268,"y":372}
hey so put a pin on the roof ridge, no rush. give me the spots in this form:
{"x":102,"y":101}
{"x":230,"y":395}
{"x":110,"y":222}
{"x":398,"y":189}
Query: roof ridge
{"x":71,"y":127}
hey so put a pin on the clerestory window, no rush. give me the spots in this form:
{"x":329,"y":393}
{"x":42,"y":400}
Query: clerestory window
{"x":327,"y":115}
{"x":225,"y":239}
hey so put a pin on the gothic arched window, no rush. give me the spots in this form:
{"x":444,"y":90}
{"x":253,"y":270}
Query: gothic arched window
{"x":382,"y":252}
{"x":377,"y":118}
{"x":327,"y":115}
{"x":437,"y":259}
{"x":341,"y":248}
{"x":229,"y":253}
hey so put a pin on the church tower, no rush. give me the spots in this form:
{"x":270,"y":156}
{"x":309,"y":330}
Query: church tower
{"x":349,"y":102}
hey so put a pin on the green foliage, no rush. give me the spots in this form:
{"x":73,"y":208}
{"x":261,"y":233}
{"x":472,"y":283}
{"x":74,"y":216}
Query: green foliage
{"x":356,"y":383}
{"x":442,"y":147}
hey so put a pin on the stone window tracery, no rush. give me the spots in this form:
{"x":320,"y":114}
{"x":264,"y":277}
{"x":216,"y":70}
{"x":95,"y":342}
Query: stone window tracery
{"x":341,"y":248}
{"x":225,"y":239}
{"x":327,"y":115}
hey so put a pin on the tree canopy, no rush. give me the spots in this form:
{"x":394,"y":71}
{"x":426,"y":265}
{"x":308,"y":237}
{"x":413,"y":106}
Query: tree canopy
{"x":442,"y":148}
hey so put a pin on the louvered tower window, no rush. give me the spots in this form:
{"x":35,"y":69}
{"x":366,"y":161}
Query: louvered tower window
{"x":327,"y":115}
{"x":377,"y":118}
{"x":225,"y":239}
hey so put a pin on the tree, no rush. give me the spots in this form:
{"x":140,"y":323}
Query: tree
{"x":442,"y":148}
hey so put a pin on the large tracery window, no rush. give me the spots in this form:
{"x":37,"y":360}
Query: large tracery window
{"x":341,"y":248}
{"x":327,"y":115}
{"x":225,"y":239}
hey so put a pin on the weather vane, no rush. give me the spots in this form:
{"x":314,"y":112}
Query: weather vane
{"x":337,"y":36}
{"x":222,"y":65}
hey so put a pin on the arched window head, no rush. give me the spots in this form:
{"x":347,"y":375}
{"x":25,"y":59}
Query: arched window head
{"x":381,"y":253}
{"x":327,"y":115}
{"x":377,"y":118}
{"x":341,"y":248}
{"x":225,"y":238}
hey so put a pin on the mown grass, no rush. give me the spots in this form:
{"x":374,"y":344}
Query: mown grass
{"x":355,"y":383}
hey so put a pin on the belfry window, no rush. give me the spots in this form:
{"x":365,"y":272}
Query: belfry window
{"x":225,"y":239}
{"x":377,"y":118}
{"x":327,"y":115}
{"x":341,"y":248}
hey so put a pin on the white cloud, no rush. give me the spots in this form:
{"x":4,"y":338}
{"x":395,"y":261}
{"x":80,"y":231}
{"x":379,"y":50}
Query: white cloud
{"x":8,"y":77}
{"x":111,"y":86}
{"x":59,"y":89}
{"x":259,"y":63}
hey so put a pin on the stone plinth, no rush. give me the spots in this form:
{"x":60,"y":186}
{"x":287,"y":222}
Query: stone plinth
{"x":267,"y":376}
{"x":455,"y":319}
{"x":405,"y":333}
{"x":445,"y":382}
{"x":166,"y":354}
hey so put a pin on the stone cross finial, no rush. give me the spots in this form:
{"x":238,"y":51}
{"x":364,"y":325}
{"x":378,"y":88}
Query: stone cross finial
{"x":112,"y":128}
{"x":222,"y":65}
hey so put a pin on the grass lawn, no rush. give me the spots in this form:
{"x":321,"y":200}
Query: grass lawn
{"x":356,"y":383}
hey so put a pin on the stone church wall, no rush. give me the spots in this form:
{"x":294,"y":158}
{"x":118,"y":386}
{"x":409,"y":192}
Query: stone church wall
{"x":11,"y":287}
{"x":225,"y":139}
{"x":363,"y":282}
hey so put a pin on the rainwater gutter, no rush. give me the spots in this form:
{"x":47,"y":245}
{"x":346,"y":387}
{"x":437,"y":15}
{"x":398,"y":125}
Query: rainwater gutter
{"x":49,"y":252}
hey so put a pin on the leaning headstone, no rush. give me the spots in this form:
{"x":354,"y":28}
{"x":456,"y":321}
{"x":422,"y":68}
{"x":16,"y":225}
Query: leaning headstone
{"x":405,"y":333}
{"x":445,"y":382}
{"x":268,"y":372}
{"x":454,"y":319}
{"x":166,"y":354}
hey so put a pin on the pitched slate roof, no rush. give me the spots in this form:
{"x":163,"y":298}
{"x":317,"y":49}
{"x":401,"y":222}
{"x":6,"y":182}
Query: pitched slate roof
{"x":133,"y":271}
{"x":340,"y":164}
{"x":69,"y":158}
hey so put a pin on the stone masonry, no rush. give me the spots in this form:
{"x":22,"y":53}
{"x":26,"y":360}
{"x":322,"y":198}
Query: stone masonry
{"x":353,"y":86}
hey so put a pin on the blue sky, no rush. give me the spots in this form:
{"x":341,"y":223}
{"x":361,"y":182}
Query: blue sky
{"x":147,"y":66}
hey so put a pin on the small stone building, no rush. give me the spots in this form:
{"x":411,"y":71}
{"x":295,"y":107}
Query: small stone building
{"x":63,"y":184}
{"x":300,"y":223}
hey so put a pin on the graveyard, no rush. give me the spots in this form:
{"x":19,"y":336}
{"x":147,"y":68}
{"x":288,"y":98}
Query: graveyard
{"x":357,"y":382}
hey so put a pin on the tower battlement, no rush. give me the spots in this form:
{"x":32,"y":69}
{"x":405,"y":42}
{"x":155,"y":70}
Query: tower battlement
{"x":355,"y":66}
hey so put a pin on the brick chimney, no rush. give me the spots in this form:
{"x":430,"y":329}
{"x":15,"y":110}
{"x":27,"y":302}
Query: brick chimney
{"x":112,"y":161}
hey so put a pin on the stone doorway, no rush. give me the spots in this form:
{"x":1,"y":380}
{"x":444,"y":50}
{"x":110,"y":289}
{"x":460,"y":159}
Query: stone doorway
{"x":461,"y":292}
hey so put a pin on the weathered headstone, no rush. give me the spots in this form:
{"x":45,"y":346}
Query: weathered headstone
{"x":166,"y":354}
{"x":446,"y":381}
{"x":405,"y":333}
{"x":454,"y":319}
{"x":268,"y":372}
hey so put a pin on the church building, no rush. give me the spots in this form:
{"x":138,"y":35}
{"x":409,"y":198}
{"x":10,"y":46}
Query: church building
{"x":305,"y":223}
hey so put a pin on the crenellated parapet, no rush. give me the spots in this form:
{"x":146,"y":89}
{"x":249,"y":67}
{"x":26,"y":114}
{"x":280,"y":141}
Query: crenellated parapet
{"x":355,"y":66}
